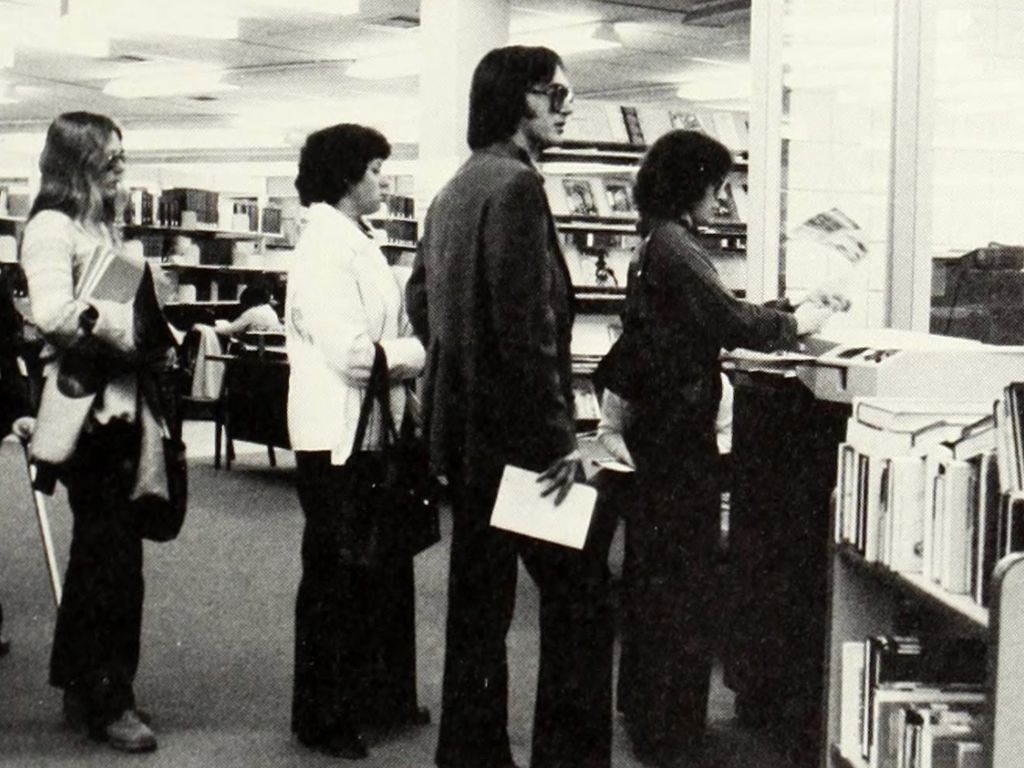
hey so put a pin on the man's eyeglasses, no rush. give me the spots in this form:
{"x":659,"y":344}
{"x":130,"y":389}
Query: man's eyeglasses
{"x":558,"y":95}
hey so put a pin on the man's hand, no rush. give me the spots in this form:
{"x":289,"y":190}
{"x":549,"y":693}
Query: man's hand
{"x":559,"y":477}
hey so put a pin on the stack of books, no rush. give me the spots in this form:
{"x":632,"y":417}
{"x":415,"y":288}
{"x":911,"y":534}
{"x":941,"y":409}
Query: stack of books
{"x":901,"y":696}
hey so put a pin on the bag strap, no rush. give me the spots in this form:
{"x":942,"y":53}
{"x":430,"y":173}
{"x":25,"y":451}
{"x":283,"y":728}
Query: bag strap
{"x":378,"y":392}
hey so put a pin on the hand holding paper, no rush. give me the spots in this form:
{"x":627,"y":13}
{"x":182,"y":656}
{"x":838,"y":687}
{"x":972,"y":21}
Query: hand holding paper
{"x":520,"y":508}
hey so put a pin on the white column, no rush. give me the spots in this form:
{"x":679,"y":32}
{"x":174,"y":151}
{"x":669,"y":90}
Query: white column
{"x":909,"y":264}
{"x":765,"y":171}
{"x":455,"y":36}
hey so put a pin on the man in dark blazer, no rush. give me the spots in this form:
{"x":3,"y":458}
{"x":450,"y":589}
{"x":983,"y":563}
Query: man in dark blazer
{"x":491,"y":298}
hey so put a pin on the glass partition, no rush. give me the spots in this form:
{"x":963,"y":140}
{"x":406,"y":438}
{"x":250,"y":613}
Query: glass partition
{"x":836,"y":129}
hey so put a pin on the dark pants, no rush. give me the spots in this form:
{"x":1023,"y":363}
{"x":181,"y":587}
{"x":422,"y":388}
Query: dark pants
{"x":355,"y":634}
{"x":99,"y":622}
{"x":572,"y":719}
{"x":672,"y":542}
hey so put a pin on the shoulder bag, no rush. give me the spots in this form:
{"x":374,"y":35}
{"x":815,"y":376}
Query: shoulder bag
{"x":393,"y":495}
{"x":630,"y":367}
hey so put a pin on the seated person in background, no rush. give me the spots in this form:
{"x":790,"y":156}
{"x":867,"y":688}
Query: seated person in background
{"x":258,"y":314}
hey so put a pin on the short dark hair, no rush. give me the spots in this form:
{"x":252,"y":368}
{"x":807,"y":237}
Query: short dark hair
{"x":497,"y":96}
{"x":334,"y":159}
{"x":676,"y":171}
{"x":253,"y":296}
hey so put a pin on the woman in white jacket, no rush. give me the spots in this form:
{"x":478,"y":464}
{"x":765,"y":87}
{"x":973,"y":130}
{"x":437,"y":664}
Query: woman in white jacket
{"x":354,"y":632}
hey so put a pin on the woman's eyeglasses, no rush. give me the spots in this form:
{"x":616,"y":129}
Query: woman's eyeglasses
{"x":558,"y":95}
{"x":114,"y":159}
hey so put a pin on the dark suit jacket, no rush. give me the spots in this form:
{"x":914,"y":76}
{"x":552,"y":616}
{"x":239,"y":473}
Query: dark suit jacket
{"x":490,"y":297}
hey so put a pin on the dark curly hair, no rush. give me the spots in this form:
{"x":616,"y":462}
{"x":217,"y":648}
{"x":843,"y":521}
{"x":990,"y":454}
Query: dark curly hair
{"x":497,"y":96}
{"x":676,"y":172}
{"x":334,"y":159}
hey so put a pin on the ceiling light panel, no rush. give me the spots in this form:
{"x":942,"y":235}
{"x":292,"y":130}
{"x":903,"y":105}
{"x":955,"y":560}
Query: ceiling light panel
{"x":132,"y":19}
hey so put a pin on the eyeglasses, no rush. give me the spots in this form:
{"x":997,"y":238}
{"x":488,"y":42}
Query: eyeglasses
{"x":558,"y":95}
{"x":113,"y":159}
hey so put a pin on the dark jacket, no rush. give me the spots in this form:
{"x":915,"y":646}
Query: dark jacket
{"x":690,"y":316}
{"x":490,"y":297}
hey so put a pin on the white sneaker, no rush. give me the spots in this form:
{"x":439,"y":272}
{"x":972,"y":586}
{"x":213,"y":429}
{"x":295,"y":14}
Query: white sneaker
{"x":129,"y":734}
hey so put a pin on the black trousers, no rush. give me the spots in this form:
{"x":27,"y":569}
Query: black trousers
{"x":96,"y":643}
{"x":355,"y":633}
{"x":572,"y":718}
{"x":670,"y":586}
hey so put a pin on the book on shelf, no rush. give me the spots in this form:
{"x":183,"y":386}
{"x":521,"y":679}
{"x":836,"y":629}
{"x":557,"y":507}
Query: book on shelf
{"x":689,"y":120}
{"x":954,"y":535}
{"x":851,"y":698}
{"x":619,"y":195}
{"x":889,"y":715}
{"x":935,"y":736}
{"x":631,"y":120}
{"x":579,"y":197}
{"x":911,"y":668}
{"x":986,"y":530}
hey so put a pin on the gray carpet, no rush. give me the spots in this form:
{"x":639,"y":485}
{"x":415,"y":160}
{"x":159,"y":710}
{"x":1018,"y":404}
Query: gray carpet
{"x":217,"y":637}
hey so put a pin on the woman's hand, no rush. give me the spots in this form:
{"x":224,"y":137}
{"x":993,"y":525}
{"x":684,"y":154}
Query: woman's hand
{"x":559,"y":477}
{"x":829,"y":294}
{"x":810,"y":317}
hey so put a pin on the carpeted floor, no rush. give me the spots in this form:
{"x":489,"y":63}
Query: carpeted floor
{"x":217,"y":636}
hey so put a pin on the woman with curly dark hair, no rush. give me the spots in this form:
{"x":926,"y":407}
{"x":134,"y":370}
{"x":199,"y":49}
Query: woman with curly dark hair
{"x":355,"y":653}
{"x":685,"y":316}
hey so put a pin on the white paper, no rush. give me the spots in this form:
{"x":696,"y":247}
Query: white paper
{"x":521,"y":509}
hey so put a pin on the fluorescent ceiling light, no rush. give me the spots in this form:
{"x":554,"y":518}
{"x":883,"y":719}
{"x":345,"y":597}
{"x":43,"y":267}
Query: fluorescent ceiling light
{"x":570,"y":40}
{"x":168,"y":84}
{"x":130,"y":18}
{"x":6,"y":55}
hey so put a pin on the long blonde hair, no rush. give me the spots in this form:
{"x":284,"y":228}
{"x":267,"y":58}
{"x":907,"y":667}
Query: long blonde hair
{"x":72,"y":162}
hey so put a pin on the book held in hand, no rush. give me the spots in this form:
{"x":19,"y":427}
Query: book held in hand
{"x":111,"y":275}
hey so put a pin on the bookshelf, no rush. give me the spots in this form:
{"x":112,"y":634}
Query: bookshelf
{"x":216,"y":288}
{"x":869,"y":599}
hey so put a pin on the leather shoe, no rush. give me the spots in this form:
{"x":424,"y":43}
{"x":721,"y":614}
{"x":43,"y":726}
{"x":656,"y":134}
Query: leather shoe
{"x":129,"y":734}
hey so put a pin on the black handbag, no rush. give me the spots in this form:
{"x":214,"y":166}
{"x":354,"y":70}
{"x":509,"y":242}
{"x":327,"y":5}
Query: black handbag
{"x":160,"y":516}
{"x":393,"y":496}
{"x":631,"y":366}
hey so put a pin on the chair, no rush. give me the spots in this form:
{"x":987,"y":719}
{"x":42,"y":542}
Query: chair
{"x":197,"y":407}
{"x":255,"y":402}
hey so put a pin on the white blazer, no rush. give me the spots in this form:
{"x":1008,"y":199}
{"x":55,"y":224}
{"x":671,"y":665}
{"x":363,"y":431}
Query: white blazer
{"x":342,"y":296}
